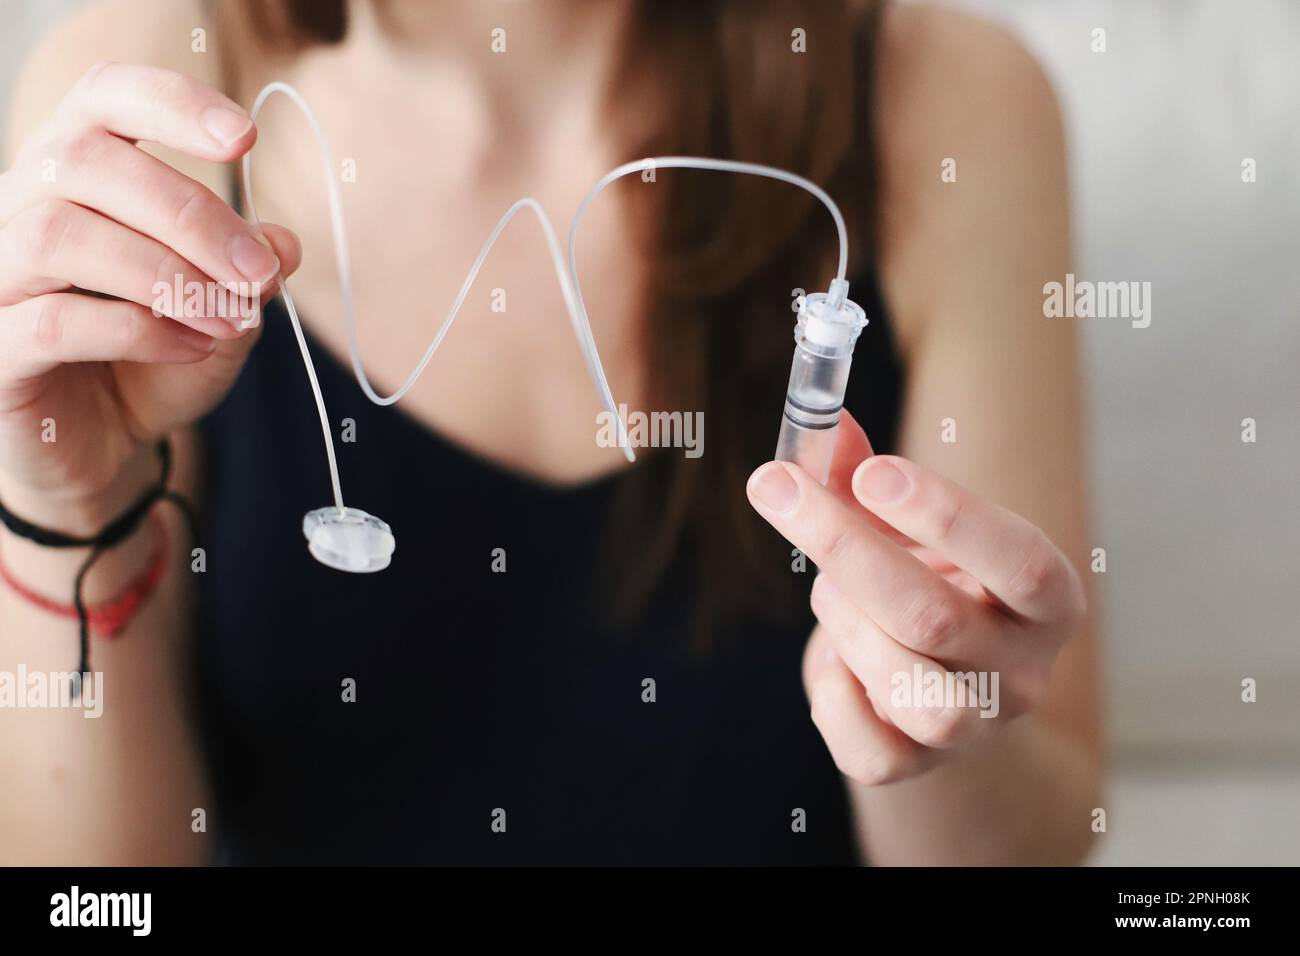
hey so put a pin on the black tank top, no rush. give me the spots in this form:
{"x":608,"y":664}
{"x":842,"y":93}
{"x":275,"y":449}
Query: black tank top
{"x":484,"y":699}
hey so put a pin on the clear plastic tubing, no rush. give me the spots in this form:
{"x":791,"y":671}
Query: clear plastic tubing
{"x":566,"y":273}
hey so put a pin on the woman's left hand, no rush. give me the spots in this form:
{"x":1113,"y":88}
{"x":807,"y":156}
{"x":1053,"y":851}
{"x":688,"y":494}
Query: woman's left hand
{"x":940,"y":613}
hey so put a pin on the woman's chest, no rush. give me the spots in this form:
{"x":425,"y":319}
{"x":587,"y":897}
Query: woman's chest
{"x":508,"y":380}
{"x":477,"y":671}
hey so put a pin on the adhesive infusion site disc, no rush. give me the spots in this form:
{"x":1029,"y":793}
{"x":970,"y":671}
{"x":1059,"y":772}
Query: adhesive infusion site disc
{"x":349,"y":540}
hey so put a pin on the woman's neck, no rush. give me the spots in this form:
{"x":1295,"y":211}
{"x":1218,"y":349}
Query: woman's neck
{"x":519,"y":66}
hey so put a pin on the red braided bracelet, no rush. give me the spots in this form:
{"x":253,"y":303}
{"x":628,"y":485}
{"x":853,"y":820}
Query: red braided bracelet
{"x":107,"y":618}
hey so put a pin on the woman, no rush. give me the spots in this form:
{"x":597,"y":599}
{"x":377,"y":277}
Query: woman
{"x":571,"y":659}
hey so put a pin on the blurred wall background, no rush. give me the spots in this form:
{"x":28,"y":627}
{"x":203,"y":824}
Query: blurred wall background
{"x":1200,"y":529}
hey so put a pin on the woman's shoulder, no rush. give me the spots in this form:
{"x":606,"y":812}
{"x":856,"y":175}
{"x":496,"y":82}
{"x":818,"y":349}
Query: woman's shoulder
{"x":913,"y":35}
{"x":945,"y":76}
{"x":968,"y":126}
{"x":179,"y":36}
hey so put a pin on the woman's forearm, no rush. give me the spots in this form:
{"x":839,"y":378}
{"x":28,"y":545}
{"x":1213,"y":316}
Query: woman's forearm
{"x":120,"y":787}
{"x":1022,"y":797}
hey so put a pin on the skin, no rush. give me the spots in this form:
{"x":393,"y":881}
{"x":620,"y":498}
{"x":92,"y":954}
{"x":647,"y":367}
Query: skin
{"x":972,"y":567}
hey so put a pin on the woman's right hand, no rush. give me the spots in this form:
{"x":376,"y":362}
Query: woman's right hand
{"x":90,"y":226}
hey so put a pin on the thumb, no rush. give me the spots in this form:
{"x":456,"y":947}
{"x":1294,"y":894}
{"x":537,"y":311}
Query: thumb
{"x":165,"y":396}
{"x":288,"y":249}
{"x":852,"y":447}
{"x":193,"y":389}
{"x":285,"y":244}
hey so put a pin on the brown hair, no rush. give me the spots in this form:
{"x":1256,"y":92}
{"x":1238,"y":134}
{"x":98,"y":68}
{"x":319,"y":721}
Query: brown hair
{"x":728,"y":251}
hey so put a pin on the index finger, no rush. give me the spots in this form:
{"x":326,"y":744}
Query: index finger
{"x":907,"y":600}
{"x":161,"y":106}
{"x":1011,"y":557}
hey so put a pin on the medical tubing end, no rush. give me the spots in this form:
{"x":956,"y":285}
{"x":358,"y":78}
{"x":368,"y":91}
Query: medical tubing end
{"x":838,"y":294}
{"x":824,"y":338}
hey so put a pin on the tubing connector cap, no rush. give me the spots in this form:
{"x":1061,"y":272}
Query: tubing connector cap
{"x":838,"y":294}
{"x":829,"y":322}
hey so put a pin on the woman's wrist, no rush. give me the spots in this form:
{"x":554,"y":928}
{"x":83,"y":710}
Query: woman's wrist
{"x":51,"y":571}
{"x":82,"y":513}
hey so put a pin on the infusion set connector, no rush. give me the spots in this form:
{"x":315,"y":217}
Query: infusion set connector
{"x":824,"y":336}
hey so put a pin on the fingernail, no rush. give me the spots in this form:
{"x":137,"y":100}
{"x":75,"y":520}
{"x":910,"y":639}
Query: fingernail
{"x":195,"y":340}
{"x":774,"y":489}
{"x":824,"y":586}
{"x":882,"y":481}
{"x":254,"y":260}
{"x":224,"y":125}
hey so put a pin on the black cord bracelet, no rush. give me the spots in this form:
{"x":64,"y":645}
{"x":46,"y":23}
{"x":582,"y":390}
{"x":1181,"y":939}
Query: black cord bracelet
{"x":111,"y":535}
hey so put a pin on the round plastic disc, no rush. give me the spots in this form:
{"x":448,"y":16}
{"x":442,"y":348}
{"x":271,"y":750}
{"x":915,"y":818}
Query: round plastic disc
{"x":349,"y":540}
